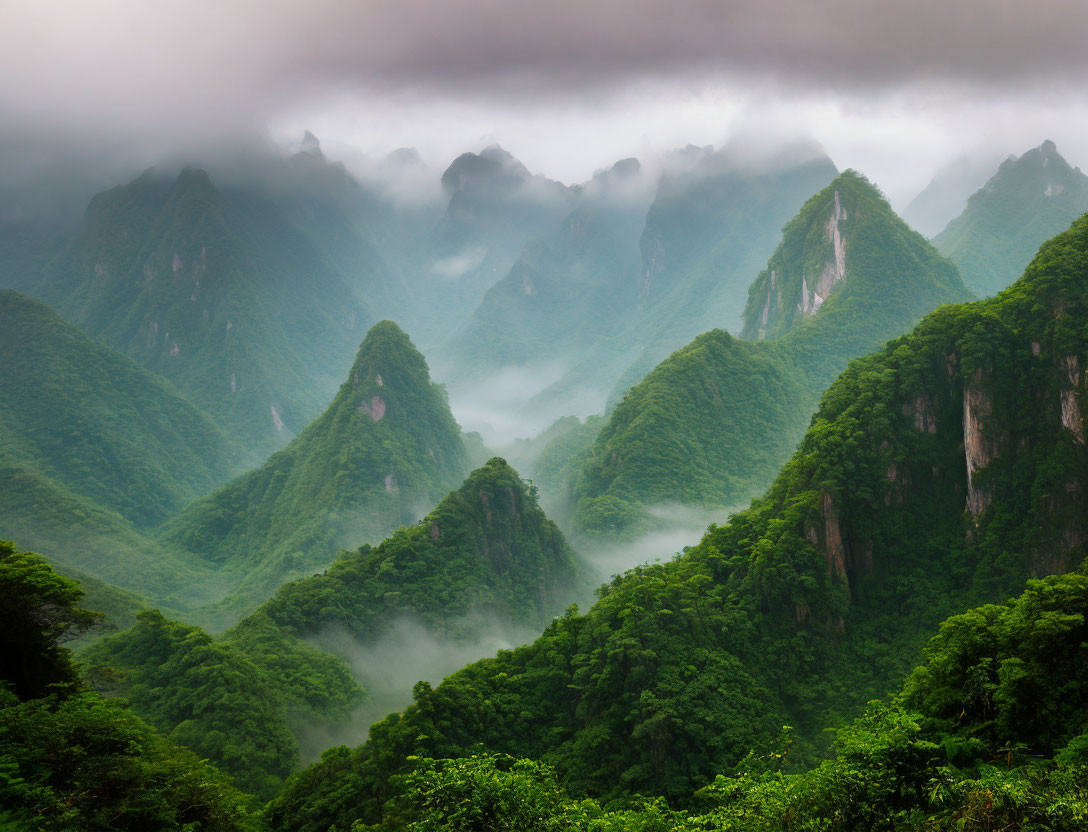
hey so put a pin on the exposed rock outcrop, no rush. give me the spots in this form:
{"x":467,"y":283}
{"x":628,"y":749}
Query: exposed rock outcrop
{"x":978,"y":448}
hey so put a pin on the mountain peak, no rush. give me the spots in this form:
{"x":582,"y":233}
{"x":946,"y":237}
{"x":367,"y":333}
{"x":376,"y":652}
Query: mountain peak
{"x":492,"y":167}
{"x":816,"y":254}
{"x":310,"y":144}
{"x":383,"y":341}
{"x":1027,"y":201}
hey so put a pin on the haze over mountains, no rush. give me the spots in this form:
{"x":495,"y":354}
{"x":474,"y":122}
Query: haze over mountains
{"x":256,"y":413}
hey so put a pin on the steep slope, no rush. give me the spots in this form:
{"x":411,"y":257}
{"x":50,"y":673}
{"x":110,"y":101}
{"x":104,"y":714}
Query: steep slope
{"x":93,"y":420}
{"x":715,"y":421}
{"x":384,"y":450}
{"x":939,"y":473}
{"x":989,"y":733}
{"x":712,"y":225}
{"x":560,"y":297}
{"x":485,"y":558}
{"x":219,"y":292}
{"x":946,"y":195}
{"x":494,"y":207}
{"x":1028,"y":200}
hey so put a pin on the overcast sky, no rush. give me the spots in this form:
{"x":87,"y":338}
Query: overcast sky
{"x":894,"y":88}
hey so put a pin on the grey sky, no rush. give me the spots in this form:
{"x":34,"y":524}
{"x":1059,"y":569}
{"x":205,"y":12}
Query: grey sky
{"x":891,"y":87}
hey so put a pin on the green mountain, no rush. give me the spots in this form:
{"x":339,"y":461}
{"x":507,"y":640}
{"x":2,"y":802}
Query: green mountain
{"x":218,"y":291}
{"x":939,"y":473}
{"x":1028,"y":200}
{"x":94,"y":448}
{"x":988,"y":733}
{"x":560,"y":297}
{"x":715,"y":421}
{"x":94,"y":421}
{"x":712,"y":225}
{"x":946,"y":195}
{"x":485,"y":557}
{"x":383,"y":451}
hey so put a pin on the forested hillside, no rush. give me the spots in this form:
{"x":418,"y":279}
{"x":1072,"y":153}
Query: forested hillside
{"x":383,"y":452}
{"x":1027,"y":200}
{"x":715,"y":421}
{"x":218,"y":291}
{"x":92,"y":420}
{"x":989,"y":733}
{"x":485,"y":559}
{"x":72,"y":760}
{"x":938,"y":473}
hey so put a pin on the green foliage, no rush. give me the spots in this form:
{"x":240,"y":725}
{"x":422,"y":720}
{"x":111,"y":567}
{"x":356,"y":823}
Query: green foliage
{"x":221,"y":292}
{"x":486,"y":548}
{"x":385,"y":445}
{"x":815,"y":600}
{"x":930,"y":758}
{"x":39,"y":611}
{"x":199,"y":694}
{"x":496,"y":793}
{"x":714,"y":422}
{"x":68,"y":759}
{"x":1028,"y":200}
{"x":82,"y":763}
{"x":93,"y":420}
{"x":565,"y":444}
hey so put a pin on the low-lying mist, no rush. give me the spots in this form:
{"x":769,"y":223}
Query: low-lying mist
{"x":677,"y":527}
{"x":494,"y":405}
{"x":408,"y":651}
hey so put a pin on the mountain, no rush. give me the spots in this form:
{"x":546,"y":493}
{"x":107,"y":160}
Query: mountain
{"x":383,"y":451}
{"x":712,"y":225}
{"x":715,"y":421}
{"x":218,"y":291}
{"x":945,"y":197}
{"x":94,"y":421}
{"x":494,"y":207}
{"x":485,"y":558}
{"x":1028,"y":200}
{"x":938,"y":474}
{"x":95,"y":450}
{"x":989,"y":732}
{"x":561,"y":295}
{"x":77,"y":534}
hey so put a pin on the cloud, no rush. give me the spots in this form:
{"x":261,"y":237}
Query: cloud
{"x":567,"y":85}
{"x":113,"y":54}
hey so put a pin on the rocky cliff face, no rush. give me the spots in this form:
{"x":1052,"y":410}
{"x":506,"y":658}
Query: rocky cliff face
{"x":811,"y":262}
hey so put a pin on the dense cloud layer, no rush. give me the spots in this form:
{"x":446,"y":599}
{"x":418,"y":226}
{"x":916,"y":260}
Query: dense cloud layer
{"x":107,"y":56}
{"x":147,"y":78}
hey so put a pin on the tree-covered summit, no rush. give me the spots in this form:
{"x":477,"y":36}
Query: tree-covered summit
{"x":714,"y":421}
{"x":484,"y":563}
{"x":1028,"y":199}
{"x":846,"y":243}
{"x":384,"y":449}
